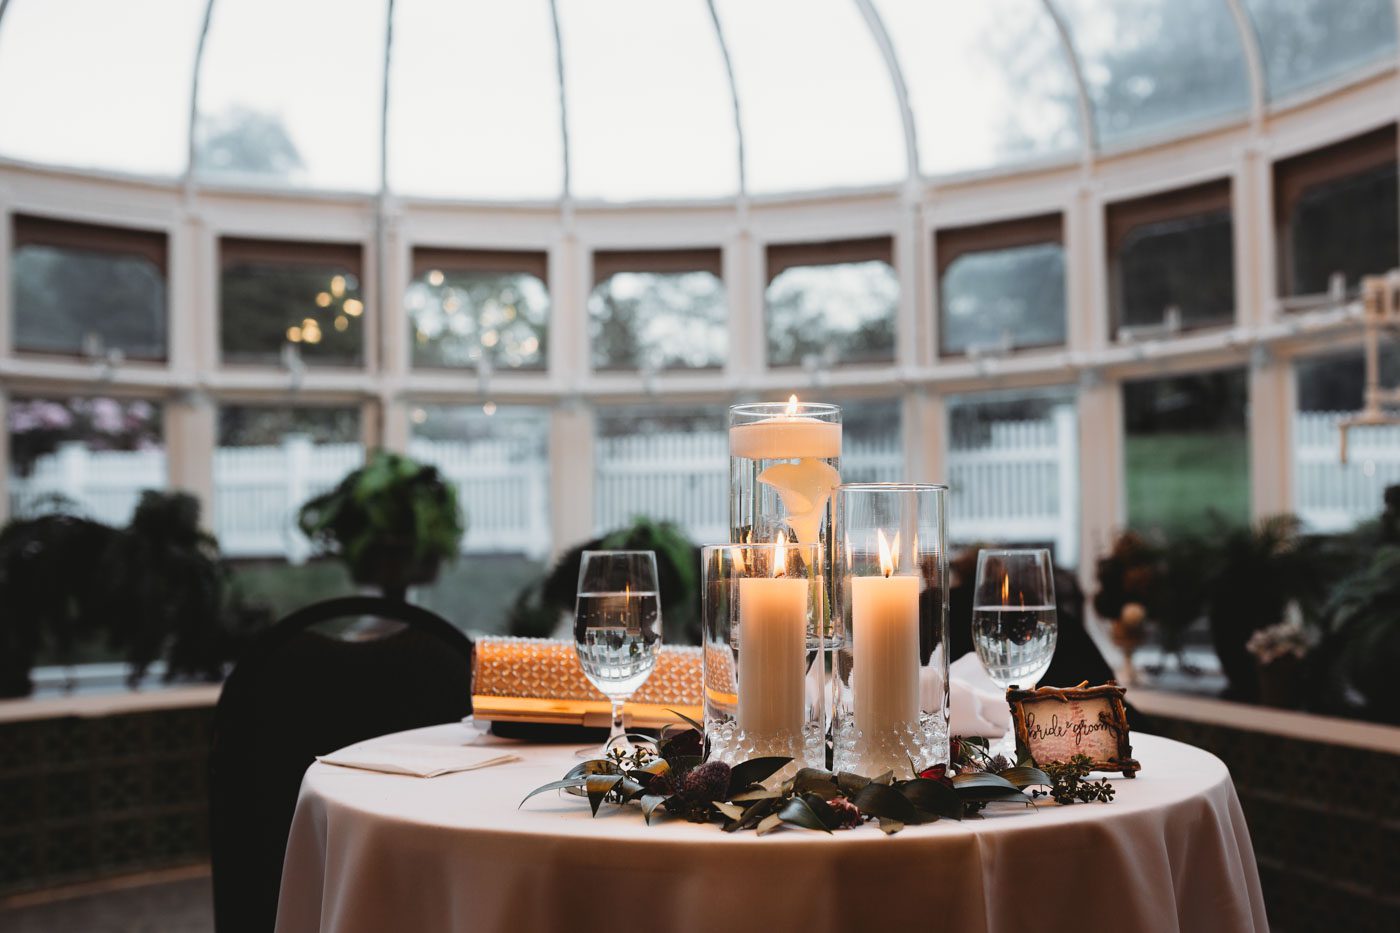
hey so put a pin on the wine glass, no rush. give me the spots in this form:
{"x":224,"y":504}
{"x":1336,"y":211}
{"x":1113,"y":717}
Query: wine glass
{"x":617,"y":627}
{"x":1013,"y":615}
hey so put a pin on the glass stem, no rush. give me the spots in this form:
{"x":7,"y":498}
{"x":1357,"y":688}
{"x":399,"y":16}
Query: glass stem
{"x":618,"y":734}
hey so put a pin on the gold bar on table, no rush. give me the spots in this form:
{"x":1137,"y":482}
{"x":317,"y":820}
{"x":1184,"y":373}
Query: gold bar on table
{"x":539,"y":680}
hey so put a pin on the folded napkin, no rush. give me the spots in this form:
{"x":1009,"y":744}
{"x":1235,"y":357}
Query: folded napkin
{"x":978,"y":704}
{"x":417,"y":759}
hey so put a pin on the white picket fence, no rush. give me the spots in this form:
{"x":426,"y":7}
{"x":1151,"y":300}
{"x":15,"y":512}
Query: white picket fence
{"x":1331,"y":497}
{"x":1021,"y":486}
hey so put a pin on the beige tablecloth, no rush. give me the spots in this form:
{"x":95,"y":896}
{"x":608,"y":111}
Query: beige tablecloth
{"x":383,"y":853}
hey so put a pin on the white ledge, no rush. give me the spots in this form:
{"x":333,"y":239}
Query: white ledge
{"x":1248,"y":717}
{"x":95,"y":705}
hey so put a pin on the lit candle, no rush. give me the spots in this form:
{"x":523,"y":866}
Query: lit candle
{"x":885,"y":642}
{"x":804,"y":486}
{"x":772,"y":651}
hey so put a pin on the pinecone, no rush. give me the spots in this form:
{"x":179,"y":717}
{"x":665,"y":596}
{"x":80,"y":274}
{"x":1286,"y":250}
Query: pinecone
{"x":709,"y":781}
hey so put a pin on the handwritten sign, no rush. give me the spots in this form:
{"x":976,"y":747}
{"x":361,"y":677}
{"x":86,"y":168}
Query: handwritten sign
{"x":1056,"y":724}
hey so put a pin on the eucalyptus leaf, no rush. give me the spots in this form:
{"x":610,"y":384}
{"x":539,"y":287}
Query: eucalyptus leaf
{"x":881,"y":800}
{"x":758,"y":793}
{"x":599,"y":786}
{"x":982,"y":779}
{"x":1024,"y":777}
{"x":851,"y":783}
{"x":693,"y":724}
{"x":817,"y":781}
{"x":799,"y":812}
{"x":732,"y":811}
{"x":890,"y":827}
{"x":552,"y":785}
{"x":769,"y":823}
{"x":760,"y":811}
{"x":754,"y":771}
{"x":593,"y":766}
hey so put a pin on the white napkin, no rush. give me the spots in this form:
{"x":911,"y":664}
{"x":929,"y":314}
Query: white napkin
{"x":978,"y":704}
{"x":417,"y":759}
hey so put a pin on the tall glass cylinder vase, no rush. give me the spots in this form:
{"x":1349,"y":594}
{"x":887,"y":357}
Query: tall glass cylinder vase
{"x":784,"y":464}
{"x":765,"y":681}
{"x":890,"y":679}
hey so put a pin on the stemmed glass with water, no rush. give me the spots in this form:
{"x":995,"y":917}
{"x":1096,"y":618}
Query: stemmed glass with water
{"x":1013,"y":616}
{"x":617,"y":626}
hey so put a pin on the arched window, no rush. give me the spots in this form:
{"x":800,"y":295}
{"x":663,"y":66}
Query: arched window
{"x":469,"y":306}
{"x":657,"y":310}
{"x":831,"y":303}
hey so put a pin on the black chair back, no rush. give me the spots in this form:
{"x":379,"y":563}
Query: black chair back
{"x":298,"y":693}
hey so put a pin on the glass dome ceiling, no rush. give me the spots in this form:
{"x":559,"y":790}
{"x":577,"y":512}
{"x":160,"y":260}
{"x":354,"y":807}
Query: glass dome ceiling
{"x":637,"y":100}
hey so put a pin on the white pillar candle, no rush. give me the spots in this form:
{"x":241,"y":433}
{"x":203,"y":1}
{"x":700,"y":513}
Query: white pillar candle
{"x":885,"y":643}
{"x":785,"y":437}
{"x":772,"y":655}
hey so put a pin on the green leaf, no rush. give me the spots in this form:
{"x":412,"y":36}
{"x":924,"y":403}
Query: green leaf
{"x":649,"y":804}
{"x":758,"y":793}
{"x":769,"y":823}
{"x":730,"y":810}
{"x":933,"y":797}
{"x":754,"y":771}
{"x":593,"y":766}
{"x":1024,"y":777}
{"x":759,"y":811}
{"x":800,"y":813}
{"x":985,"y":787}
{"x":890,"y":827}
{"x":693,"y":724}
{"x":851,"y":783}
{"x":552,"y":785}
{"x":817,"y":781}
{"x":598,"y":787}
{"x":629,"y":789}
{"x":881,"y":800}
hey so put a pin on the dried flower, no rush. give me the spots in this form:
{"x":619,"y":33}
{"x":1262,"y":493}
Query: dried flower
{"x":847,"y":811}
{"x":709,"y":781}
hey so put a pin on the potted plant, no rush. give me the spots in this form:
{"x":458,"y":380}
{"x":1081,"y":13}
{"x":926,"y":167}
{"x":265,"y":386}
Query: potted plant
{"x":393,"y":522}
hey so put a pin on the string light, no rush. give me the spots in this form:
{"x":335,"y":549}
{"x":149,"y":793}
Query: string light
{"x":323,"y":300}
{"x":354,"y":307}
{"x":435,"y":278}
{"x":338,"y":286}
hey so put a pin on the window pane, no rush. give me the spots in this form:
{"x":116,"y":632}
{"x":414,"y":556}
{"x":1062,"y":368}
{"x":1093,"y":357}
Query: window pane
{"x":291,"y":93}
{"x":1187,"y":263}
{"x":266,"y":305}
{"x":1186,"y":450}
{"x":1331,"y":497}
{"x":269,"y":462}
{"x":1007,"y":297}
{"x":1153,"y":65}
{"x":988,"y":82}
{"x":872,"y":440}
{"x":667,"y":464}
{"x":99,"y":454}
{"x":649,"y":106}
{"x":95,"y":84}
{"x":457,"y":317}
{"x":88,"y":301}
{"x":1308,"y":41}
{"x":658,"y":320}
{"x":1348,"y":226}
{"x":827,"y":314}
{"x":818,"y":107}
{"x":456,"y":128}
{"x":1013,"y":470}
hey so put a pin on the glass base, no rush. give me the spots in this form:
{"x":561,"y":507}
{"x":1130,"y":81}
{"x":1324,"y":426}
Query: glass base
{"x":903,"y":751}
{"x":730,"y":744}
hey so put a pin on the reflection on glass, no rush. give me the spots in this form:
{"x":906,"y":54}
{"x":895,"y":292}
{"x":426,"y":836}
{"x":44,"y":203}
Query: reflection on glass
{"x":500,"y":466}
{"x":1186,"y":263}
{"x":828,"y":314}
{"x":665,"y":464}
{"x":815,"y":97}
{"x":658,"y":320}
{"x":1186,"y":450}
{"x":91,"y":456}
{"x":1305,"y":42}
{"x":98,"y":85}
{"x":88,"y":301}
{"x":872,"y":440}
{"x":1015,"y":95}
{"x":296,"y":104}
{"x":1328,"y":496}
{"x":449,"y":139}
{"x":316,"y":309}
{"x":458,"y":318}
{"x":1152,"y":65}
{"x":1013,"y":468}
{"x":1004,"y":298}
{"x":269,"y":461}
{"x":1347,"y":226}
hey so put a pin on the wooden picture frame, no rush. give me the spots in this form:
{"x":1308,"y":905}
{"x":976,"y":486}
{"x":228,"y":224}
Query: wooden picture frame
{"x":1055,"y":723}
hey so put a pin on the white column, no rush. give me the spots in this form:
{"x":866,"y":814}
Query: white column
{"x":1067,"y":456}
{"x":1251,"y":204}
{"x":909,"y":337}
{"x":1086,"y":271}
{"x":191,"y":429}
{"x":745,"y":357}
{"x":1270,"y":435}
{"x":570,"y":270}
{"x":571,"y":469}
{"x":1101,"y":473}
{"x":925,"y":436}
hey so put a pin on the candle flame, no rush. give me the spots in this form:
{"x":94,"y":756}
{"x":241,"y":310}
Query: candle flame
{"x":886,"y":558}
{"x":792,"y":405}
{"x":780,"y":556}
{"x":1006,"y":590}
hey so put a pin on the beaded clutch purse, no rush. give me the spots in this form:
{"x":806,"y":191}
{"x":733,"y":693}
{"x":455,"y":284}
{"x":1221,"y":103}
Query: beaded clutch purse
{"x":539,"y":680}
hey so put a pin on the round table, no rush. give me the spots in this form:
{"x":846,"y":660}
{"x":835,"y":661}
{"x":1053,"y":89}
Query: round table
{"x":382,"y":852}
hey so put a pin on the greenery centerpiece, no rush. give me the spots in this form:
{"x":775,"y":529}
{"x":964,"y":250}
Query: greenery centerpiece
{"x":393,"y":522}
